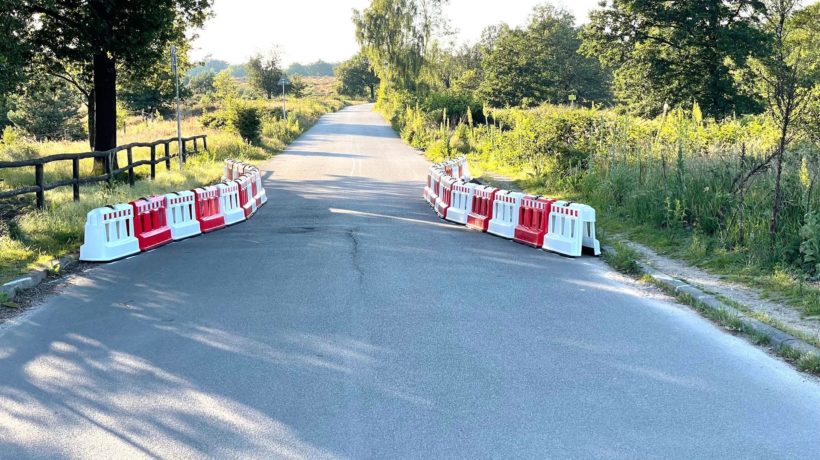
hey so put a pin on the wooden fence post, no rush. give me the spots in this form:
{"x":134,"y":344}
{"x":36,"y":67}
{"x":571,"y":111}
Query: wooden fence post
{"x":131,"y":178}
{"x":39,"y":181}
{"x":168,"y":156}
{"x":75,"y":171}
{"x":109,"y":167}
{"x":205,"y":142}
{"x":196,"y":147}
{"x":153,"y":162}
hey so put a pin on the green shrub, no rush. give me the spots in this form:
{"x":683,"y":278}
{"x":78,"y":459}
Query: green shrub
{"x":246,"y":119}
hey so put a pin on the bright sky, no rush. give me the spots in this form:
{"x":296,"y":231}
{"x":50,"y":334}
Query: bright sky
{"x":308,"y":30}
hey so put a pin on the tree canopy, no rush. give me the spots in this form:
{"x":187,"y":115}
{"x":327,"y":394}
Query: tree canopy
{"x":264,"y":72}
{"x":106,"y":36}
{"x":540,"y":63}
{"x":678,"y":52}
{"x":395,"y":35}
{"x":356,"y":77}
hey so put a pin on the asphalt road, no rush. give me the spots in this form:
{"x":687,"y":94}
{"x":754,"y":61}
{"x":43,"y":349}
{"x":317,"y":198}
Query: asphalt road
{"x":347,"y":321}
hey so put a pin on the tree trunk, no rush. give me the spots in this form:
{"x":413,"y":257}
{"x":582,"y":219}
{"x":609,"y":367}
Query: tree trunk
{"x":774,"y":223}
{"x":105,"y":92}
{"x":372,"y":92}
{"x":90,"y":104}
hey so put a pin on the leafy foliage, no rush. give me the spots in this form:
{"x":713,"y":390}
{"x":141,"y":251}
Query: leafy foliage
{"x":395,"y":34}
{"x":319,"y":68}
{"x":246,"y":119}
{"x":264,"y":72}
{"x":48,"y":109}
{"x":678,"y":52}
{"x":540,"y":63}
{"x":356,"y":77}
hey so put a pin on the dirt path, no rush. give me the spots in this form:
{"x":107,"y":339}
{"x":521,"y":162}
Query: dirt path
{"x":750,"y":298}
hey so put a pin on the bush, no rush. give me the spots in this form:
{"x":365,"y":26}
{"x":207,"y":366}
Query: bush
{"x":247,"y":121}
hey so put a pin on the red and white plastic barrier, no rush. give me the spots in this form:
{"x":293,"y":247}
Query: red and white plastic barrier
{"x":461,"y":202}
{"x":571,"y":228}
{"x":505,"y":216}
{"x":432,"y":192}
{"x":229,"y":205}
{"x":246,"y":199}
{"x":444,"y":195}
{"x":228,"y":171}
{"x":207,"y":209}
{"x":109,"y":234}
{"x":180,"y":214}
{"x":258,"y":191}
{"x":118,"y":231}
{"x":150,"y":225}
{"x":532,"y":220}
{"x":557,"y":226}
{"x":482,"y":210}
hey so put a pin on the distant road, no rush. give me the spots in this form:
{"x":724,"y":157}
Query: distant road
{"x":346,"y":321}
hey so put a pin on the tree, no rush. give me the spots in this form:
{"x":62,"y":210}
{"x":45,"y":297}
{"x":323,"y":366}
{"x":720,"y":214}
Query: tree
{"x":296,"y":87}
{"x":678,"y":52}
{"x":789,"y":78}
{"x":319,"y":68}
{"x":264,"y":72}
{"x":153,"y":89}
{"x":356,"y":77}
{"x":541,"y":63}
{"x":395,"y":34}
{"x":15,"y":27}
{"x":111,"y":35}
{"x":225,"y":87}
{"x":47,"y":109}
{"x":201,"y":83}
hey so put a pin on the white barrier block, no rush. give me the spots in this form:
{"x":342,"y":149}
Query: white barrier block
{"x":564,"y":234}
{"x":461,"y":202}
{"x":180,"y":215}
{"x":588,"y":227}
{"x":506,"y":206}
{"x":229,"y":203}
{"x":109,"y":234}
{"x":261,"y":196}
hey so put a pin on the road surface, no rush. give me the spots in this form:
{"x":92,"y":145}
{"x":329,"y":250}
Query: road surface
{"x":345,"y":320}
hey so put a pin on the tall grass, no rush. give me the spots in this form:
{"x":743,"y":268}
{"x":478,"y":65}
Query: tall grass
{"x":32,"y":237}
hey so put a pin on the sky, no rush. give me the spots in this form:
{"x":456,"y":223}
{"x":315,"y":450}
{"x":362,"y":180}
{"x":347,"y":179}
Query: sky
{"x":308,"y":30}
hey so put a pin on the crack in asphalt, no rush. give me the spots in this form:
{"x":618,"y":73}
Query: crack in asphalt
{"x":354,"y":255}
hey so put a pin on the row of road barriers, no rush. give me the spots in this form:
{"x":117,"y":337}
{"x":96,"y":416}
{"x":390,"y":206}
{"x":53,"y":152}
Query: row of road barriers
{"x":122,"y":230}
{"x":562,"y":227}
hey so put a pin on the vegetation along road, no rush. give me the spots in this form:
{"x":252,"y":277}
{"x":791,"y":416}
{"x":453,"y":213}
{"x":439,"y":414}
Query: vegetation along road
{"x":347,"y":320}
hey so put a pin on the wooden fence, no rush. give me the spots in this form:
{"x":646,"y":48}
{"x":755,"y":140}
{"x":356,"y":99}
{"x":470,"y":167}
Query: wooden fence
{"x":40,"y":186}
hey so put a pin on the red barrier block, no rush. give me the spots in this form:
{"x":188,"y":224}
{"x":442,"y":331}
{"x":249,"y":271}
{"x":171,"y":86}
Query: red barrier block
{"x":207,"y":209}
{"x":150,"y":225}
{"x":246,"y":198}
{"x":445,"y":195}
{"x":482,"y":210}
{"x":533,"y":220}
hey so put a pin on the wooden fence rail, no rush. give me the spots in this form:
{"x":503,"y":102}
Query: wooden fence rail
{"x":40,"y":186}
